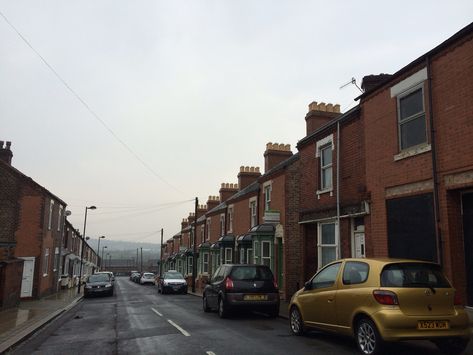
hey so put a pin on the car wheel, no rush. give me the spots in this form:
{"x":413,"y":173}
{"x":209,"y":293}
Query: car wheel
{"x":296,"y":322}
{"x":205,"y":304}
{"x":453,"y":346}
{"x":367,"y":337}
{"x":223,"y":309}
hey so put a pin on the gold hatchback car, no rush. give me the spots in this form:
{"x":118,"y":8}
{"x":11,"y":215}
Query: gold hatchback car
{"x":381,"y":300}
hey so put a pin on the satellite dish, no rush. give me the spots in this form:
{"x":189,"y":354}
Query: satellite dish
{"x":68,"y":213}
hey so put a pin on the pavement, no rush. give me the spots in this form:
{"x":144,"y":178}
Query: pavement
{"x":18,"y":323}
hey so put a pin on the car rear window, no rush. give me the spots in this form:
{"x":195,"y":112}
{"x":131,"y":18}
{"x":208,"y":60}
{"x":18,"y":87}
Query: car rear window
{"x":413,"y":275}
{"x":173,"y":275}
{"x":251,"y":273}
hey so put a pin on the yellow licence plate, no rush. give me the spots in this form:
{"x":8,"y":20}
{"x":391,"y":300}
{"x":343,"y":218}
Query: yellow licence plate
{"x":255,"y":297}
{"x":432,"y":324}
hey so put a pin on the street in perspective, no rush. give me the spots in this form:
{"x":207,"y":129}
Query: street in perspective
{"x":236,"y":177}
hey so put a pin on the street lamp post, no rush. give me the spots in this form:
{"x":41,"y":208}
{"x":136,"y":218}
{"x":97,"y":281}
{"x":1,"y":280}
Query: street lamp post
{"x":101,"y":259}
{"x":82,"y":248}
{"x":98,"y":249}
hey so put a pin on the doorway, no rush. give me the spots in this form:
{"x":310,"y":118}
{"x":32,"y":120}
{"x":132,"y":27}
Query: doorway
{"x":467,"y":211}
{"x":28,"y":277}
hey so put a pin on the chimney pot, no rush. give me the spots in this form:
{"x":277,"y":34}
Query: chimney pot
{"x":313,"y":106}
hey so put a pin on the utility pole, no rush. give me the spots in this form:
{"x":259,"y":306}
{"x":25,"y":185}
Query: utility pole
{"x":141,"y":267}
{"x":194,"y":254}
{"x":161,"y":256}
{"x":137,"y":258}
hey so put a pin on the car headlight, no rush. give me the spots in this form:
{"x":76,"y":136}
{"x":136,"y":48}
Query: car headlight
{"x":165,"y":283}
{"x":108,"y":285}
{"x":88,"y":286}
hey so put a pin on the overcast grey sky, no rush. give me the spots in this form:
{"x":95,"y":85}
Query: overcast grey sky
{"x":195,"y":88}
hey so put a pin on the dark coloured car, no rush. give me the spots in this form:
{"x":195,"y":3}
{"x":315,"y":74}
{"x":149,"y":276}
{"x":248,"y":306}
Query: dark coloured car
{"x":98,"y":284}
{"x":135,"y":277}
{"x":172,"y":282}
{"x":249,"y":287}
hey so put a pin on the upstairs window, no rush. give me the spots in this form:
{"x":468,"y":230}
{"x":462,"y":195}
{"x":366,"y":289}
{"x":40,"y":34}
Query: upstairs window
{"x":59,"y":218}
{"x":230,"y":219}
{"x":208,"y":229}
{"x":411,"y":118}
{"x":326,"y":167}
{"x":253,"y":215}
{"x":267,"y":197}
{"x":50,"y":219}
{"x":222,"y":224}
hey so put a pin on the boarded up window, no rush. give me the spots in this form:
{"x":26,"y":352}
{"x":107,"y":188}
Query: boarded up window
{"x":411,"y":228}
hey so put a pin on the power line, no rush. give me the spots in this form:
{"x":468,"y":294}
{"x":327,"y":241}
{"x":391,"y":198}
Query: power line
{"x":87,"y":107}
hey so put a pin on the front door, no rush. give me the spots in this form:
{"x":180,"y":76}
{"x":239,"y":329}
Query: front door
{"x":28,"y":275}
{"x":467,"y":207}
{"x":359,"y":244}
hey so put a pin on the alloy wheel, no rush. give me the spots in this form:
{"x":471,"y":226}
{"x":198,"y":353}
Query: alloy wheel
{"x":296,"y":321}
{"x":366,"y":337}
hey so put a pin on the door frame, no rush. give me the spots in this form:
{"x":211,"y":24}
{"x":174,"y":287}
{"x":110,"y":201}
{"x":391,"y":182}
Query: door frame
{"x":33,"y":259}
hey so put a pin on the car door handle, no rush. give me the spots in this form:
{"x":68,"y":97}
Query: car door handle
{"x":330,"y":300}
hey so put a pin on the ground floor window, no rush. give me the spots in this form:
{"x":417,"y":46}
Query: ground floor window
{"x":179,"y":265}
{"x":228,"y":255}
{"x":411,"y":228}
{"x":327,"y":243}
{"x":249,"y":256}
{"x":46,"y":262}
{"x":256,"y":254}
{"x":190,"y":263}
{"x":205,"y":263}
{"x":266,"y":253}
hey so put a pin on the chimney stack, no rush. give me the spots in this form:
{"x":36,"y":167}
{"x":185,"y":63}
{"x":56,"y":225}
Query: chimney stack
{"x":6,"y":154}
{"x":275,"y":154}
{"x":227,"y":190}
{"x":201,"y":210}
{"x":184,"y":223}
{"x":212,"y":202}
{"x":247,"y":175}
{"x":369,"y":82}
{"x":320,"y":114}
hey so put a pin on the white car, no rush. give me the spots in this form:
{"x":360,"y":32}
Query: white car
{"x":147,"y":278}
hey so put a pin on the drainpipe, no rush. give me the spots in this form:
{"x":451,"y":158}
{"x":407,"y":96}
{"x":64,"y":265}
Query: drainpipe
{"x":438,"y":233}
{"x":338,"y":180}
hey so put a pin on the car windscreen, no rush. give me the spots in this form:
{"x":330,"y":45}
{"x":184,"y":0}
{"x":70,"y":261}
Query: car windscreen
{"x":246,"y":273}
{"x":413,"y":275}
{"x":173,"y":275}
{"x":148,"y":276}
{"x":99,"y":278}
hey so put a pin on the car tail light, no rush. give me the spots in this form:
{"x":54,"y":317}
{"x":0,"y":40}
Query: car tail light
{"x":228,"y":283}
{"x":457,"y":300}
{"x":275,"y":283}
{"x":385,"y":297}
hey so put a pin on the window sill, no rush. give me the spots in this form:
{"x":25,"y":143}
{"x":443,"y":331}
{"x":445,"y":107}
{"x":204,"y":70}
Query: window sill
{"x":321,"y":192}
{"x":410,"y":152}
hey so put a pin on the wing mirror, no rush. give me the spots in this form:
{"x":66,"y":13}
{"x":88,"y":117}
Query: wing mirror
{"x":308,"y":286}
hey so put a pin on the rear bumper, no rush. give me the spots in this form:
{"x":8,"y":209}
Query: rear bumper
{"x":237,"y":300}
{"x":393,"y":325}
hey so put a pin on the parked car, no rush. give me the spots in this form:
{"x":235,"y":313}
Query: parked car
{"x":136,"y":277}
{"x":172,"y":281}
{"x":147,"y":278}
{"x":381,"y":300}
{"x":109,"y":273}
{"x":98,"y":284}
{"x":133,"y":272}
{"x":241,"y":286}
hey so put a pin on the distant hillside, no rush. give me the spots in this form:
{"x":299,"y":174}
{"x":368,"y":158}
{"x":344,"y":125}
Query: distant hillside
{"x":118,"y":249}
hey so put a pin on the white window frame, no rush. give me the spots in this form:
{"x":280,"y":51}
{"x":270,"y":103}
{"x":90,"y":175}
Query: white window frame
{"x":326,"y":167}
{"x":202,"y":232}
{"x":242,"y":256}
{"x":179,"y":265}
{"x":46,"y":262}
{"x":266,"y":257}
{"x":230,"y":219}
{"x":249,"y":256}
{"x":321,"y":246}
{"x":253,"y":212}
{"x":322,"y":144}
{"x":227,"y":259}
{"x":50,"y":218}
{"x":205,"y":264}
{"x":256,"y":257}
{"x":56,"y":259}
{"x":222,"y":224}
{"x":208,"y":222}
{"x":59,"y":218}
{"x":411,"y":118}
{"x":267,"y":196}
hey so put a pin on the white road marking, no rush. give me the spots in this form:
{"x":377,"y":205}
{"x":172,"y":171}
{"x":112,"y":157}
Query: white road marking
{"x":155,"y":311}
{"x":179,"y":328}
{"x":210,"y":353}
